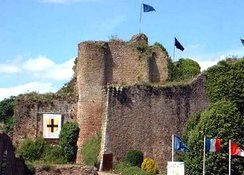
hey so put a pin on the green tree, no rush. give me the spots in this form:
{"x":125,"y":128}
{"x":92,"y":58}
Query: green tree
{"x":187,"y":68}
{"x":67,"y":140}
{"x":226,"y":81}
{"x":7,"y":108}
{"x":221,"y":120}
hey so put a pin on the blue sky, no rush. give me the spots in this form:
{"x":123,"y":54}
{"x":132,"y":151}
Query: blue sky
{"x":39,"y":37}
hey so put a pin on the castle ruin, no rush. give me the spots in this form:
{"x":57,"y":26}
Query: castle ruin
{"x":119,"y":91}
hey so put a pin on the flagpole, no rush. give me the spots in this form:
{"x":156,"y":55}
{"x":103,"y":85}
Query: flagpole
{"x":204,"y":151}
{"x":174,"y":53}
{"x":173,"y":143}
{"x":140,"y":18}
{"x":229,"y":157}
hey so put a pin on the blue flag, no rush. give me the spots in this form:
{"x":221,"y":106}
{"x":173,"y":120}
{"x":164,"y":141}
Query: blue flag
{"x":148,"y":8}
{"x":179,"y":145}
{"x":242,"y":41}
{"x":178,"y":45}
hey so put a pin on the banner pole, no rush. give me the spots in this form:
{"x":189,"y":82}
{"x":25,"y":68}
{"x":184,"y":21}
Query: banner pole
{"x":140,"y":18}
{"x":204,"y":151}
{"x":173,"y":143}
{"x":229,"y":157}
{"x":174,"y":53}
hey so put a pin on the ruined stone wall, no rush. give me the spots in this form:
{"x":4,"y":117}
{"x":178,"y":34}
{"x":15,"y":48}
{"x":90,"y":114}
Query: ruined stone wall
{"x":9,"y":164}
{"x":134,"y":62}
{"x":144,"y":118}
{"x":102,"y":63}
{"x":29,"y":112}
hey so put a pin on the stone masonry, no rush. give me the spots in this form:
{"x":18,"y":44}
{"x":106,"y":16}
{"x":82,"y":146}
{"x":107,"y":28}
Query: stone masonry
{"x":118,"y":91}
{"x":144,"y":118}
{"x":100,"y":64}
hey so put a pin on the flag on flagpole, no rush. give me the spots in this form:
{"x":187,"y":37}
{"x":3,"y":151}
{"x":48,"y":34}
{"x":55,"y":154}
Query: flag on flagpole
{"x":148,"y":8}
{"x":178,"y":45}
{"x":213,"y":145}
{"x":242,"y":41}
{"x":236,"y":150}
{"x":179,"y":145}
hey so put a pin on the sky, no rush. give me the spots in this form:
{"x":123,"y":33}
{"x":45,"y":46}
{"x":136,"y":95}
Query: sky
{"x":39,"y":38}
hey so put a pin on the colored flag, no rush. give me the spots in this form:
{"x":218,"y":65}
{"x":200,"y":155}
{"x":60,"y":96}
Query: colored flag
{"x":213,"y":145}
{"x":148,"y":8}
{"x":179,"y":145}
{"x":178,"y":45}
{"x":236,"y":150}
{"x":242,"y":41}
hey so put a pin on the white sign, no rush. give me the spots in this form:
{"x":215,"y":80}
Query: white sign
{"x":51,"y":125}
{"x":175,"y":168}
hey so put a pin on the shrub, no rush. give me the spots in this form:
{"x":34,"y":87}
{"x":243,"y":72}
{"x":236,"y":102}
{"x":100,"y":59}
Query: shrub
{"x":68,"y":139}
{"x":31,"y":150}
{"x":187,"y":68}
{"x":149,"y":165}
{"x":53,"y":154}
{"x":7,"y":108}
{"x":127,"y":169}
{"x":134,"y":157}
{"x":8,"y":125}
{"x":225,"y":81}
{"x":91,"y":149}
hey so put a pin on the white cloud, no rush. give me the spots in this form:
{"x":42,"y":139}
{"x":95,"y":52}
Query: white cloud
{"x":8,"y":68}
{"x":47,"y":76}
{"x":41,"y":87}
{"x":60,"y":72}
{"x":206,"y":64}
{"x":40,"y":68}
{"x":38,"y":64}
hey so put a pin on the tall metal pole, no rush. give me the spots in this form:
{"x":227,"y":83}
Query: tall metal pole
{"x":229,"y":157}
{"x":173,"y":144}
{"x":140,"y":18}
{"x":204,"y":151}
{"x":174,"y":53}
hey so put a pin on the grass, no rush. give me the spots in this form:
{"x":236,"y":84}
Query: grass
{"x":126,"y":169}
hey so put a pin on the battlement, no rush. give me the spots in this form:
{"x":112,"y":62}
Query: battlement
{"x":119,"y":62}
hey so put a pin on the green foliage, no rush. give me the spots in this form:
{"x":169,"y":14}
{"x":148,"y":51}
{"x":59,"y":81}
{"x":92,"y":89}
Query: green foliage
{"x":31,"y":150}
{"x":7,"y":108}
{"x":91,"y":149}
{"x":53,"y":154}
{"x":38,"y":150}
{"x":67,"y":140}
{"x":68,"y":87}
{"x":226,"y":81}
{"x":187,"y":68}
{"x":221,"y":120}
{"x":182,"y":69}
{"x":127,"y":169}
{"x":8,"y":124}
{"x":134,"y":157}
{"x":149,"y":165}
{"x":173,"y":73}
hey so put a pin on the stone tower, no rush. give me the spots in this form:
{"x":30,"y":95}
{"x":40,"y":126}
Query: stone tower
{"x":118,"y":63}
